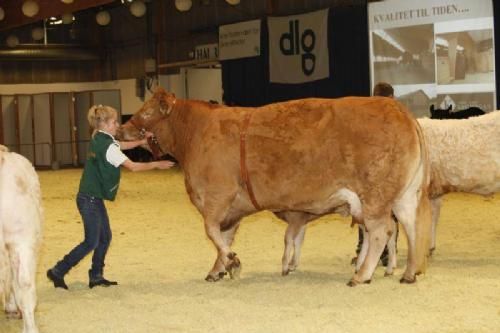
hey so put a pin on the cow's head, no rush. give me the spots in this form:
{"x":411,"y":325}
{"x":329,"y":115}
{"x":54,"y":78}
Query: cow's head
{"x":154,"y":110}
{"x":439,"y":113}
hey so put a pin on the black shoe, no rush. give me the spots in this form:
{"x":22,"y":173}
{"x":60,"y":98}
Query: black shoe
{"x":101,"y":282}
{"x":58,"y":281}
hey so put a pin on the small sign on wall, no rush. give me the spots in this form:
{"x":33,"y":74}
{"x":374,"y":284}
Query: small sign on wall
{"x":206,"y":52}
{"x":239,"y":40}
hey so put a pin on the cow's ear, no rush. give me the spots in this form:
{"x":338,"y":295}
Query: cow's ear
{"x":171,"y":101}
{"x":167,"y":104}
{"x":449,"y":108}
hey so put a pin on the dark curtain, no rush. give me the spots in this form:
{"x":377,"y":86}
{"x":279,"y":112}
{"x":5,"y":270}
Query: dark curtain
{"x":246,"y":81}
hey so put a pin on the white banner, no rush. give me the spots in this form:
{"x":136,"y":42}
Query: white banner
{"x":240,"y":40}
{"x":434,"y":52}
{"x":398,"y":13}
{"x":298,"y":47}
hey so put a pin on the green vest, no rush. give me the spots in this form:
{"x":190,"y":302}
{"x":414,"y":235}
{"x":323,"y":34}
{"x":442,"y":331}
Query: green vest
{"x":100,"y":178}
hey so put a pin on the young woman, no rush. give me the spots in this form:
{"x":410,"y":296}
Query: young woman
{"x":99,"y":182}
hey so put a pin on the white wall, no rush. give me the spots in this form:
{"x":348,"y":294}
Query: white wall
{"x":130,"y":103}
{"x":204,"y":84}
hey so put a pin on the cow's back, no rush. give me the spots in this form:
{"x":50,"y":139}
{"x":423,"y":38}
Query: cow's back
{"x":464,"y":154}
{"x":300,"y":152}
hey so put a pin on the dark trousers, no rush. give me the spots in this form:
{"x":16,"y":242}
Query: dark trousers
{"x":97,"y":237}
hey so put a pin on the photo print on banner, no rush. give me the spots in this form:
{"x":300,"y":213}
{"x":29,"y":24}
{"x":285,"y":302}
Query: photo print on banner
{"x":434,"y":53}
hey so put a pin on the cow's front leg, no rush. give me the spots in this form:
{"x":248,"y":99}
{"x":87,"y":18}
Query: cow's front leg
{"x":436,"y":209}
{"x":227,"y":261}
{"x":378,"y":234}
{"x":297,"y":246}
{"x":294,"y":236}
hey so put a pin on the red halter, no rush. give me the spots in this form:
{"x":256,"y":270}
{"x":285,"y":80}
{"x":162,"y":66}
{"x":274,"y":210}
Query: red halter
{"x":153,"y":143}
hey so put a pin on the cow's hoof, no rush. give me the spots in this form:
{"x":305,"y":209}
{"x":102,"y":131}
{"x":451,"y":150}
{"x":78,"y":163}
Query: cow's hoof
{"x":388,"y":274}
{"x":211,"y":278}
{"x":234,"y":268}
{"x":13,"y":314}
{"x":285,"y":272}
{"x":353,"y":283}
{"x":408,"y":280}
{"x":431,"y":251}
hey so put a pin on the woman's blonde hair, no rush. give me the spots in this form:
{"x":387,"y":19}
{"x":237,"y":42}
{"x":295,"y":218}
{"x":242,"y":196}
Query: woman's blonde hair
{"x":98,"y":115}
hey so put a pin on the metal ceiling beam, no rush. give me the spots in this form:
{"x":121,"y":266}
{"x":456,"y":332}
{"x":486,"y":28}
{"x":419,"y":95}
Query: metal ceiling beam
{"x":52,"y":52}
{"x":14,"y":16}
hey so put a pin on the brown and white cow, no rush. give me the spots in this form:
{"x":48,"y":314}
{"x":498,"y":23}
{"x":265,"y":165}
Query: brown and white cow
{"x":20,"y":234}
{"x":311,"y":156}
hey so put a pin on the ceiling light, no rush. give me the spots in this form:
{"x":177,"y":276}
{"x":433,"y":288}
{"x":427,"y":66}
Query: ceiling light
{"x":233,"y":2}
{"x":30,"y":8}
{"x":2,"y":14}
{"x":103,"y":18}
{"x":138,"y":8}
{"x":67,"y":1}
{"x":183,"y":5}
{"x":12,"y":41}
{"x":67,"y":18}
{"x":37,"y":33}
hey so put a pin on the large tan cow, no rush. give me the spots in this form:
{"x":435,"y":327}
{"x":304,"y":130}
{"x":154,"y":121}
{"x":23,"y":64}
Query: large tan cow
{"x":464,"y":156}
{"x":311,"y":156}
{"x":20,"y":233}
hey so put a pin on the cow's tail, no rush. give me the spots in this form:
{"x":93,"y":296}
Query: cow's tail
{"x":423,"y":222}
{"x":423,"y":216}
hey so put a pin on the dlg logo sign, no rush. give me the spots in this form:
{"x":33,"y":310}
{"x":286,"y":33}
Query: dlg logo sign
{"x":298,"y":48}
{"x":295,"y":42}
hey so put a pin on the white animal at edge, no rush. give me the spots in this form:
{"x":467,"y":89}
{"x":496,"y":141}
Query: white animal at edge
{"x":20,"y":233}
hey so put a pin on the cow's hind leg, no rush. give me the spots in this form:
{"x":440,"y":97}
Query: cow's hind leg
{"x":406,"y":215}
{"x":22,"y":259}
{"x":378,"y":232}
{"x":391,"y":248}
{"x":364,"y":248}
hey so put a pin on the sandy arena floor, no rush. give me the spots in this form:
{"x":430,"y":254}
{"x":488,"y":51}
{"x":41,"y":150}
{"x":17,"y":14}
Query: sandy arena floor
{"x":160,"y":256}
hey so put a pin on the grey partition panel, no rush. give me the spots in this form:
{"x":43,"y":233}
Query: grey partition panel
{"x":108,"y":97}
{"x":26,"y":127}
{"x":43,"y":141}
{"x":62,"y":128}
{"x":82,"y":105}
{"x":9,"y":122}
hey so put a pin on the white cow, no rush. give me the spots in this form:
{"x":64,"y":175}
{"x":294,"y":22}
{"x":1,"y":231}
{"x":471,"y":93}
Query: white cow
{"x":20,"y":233}
{"x":464,"y":156}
